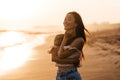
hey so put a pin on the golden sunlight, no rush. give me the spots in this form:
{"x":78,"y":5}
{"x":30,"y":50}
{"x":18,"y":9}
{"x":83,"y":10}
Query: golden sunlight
{"x":16,"y":48}
{"x":13,"y":57}
{"x":12,"y":9}
{"x":17,"y":10}
{"x":12,"y":38}
{"x":14,"y":53}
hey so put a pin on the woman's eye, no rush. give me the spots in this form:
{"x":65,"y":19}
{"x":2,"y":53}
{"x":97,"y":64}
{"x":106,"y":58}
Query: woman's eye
{"x":69,"y":19}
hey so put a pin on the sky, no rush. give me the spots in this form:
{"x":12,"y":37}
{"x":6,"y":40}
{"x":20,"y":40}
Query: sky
{"x":52,"y":12}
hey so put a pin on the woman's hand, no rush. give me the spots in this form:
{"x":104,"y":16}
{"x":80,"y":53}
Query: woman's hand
{"x":69,"y":34}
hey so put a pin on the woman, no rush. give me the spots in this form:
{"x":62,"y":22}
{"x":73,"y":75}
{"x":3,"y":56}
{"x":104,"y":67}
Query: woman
{"x":67,"y":49}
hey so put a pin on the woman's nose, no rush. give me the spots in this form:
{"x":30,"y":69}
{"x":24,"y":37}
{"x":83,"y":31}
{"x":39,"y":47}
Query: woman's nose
{"x":65,"y":22}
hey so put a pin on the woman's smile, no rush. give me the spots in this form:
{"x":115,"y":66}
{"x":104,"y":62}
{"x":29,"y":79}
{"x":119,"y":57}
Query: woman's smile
{"x":69,"y":22}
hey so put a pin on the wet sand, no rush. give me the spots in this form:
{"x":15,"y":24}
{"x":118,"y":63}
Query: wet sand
{"x":102,"y":53}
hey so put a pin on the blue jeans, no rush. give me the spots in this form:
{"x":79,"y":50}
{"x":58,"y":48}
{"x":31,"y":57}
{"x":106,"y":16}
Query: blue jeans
{"x":71,"y":74}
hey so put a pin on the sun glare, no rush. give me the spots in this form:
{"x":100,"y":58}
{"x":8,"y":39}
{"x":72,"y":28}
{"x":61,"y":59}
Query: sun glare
{"x":18,"y":10}
{"x":13,"y":57}
{"x":16,"y":48}
{"x":14,"y":9}
{"x":14,"y":53}
{"x":11,"y":38}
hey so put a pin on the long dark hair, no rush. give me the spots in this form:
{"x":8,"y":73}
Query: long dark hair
{"x":80,"y":29}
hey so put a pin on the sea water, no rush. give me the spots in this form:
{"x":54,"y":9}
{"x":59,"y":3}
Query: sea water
{"x":16,"y":48}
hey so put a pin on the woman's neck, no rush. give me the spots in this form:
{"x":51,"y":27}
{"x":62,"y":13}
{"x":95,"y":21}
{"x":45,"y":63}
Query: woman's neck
{"x":70,"y":33}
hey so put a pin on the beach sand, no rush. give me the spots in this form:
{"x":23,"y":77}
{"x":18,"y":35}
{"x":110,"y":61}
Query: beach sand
{"x":102,"y":60}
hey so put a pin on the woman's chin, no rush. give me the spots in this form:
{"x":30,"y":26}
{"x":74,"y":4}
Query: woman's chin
{"x":67,"y":29}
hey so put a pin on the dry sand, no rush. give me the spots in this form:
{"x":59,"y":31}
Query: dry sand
{"x":102,"y":61}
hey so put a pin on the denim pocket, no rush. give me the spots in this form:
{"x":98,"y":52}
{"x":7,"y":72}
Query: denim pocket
{"x":74,"y":76}
{"x":71,"y":78}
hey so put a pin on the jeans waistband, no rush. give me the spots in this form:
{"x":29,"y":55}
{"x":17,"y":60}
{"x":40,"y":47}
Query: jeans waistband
{"x":67,"y":72}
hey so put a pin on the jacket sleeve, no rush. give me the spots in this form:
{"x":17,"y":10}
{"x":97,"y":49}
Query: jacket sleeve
{"x":57,"y":41}
{"x":65,"y":60}
{"x":75,"y":48}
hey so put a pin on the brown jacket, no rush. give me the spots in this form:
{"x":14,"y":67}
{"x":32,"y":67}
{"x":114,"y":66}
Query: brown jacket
{"x":71,"y":54}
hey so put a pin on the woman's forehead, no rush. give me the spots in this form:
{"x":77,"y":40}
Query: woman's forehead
{"x":69,"y":15}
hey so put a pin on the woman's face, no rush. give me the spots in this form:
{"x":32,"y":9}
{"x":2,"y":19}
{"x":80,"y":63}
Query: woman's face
{"x":69,"y":22}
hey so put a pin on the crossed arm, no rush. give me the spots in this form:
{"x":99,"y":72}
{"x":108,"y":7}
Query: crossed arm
{"x":56,"y":58}
{"x":73,"y":49}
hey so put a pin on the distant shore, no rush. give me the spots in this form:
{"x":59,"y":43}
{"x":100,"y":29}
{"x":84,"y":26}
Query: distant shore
{"x":102,"y":59}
